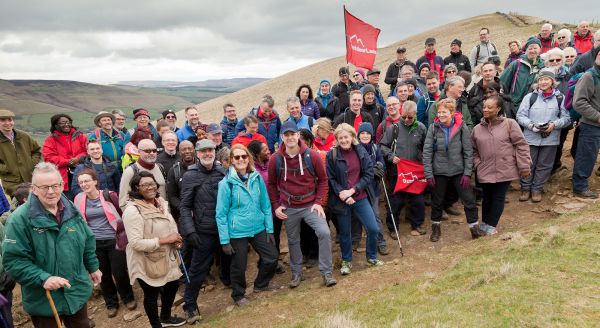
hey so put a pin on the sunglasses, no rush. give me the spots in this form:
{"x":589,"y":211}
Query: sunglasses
{"x":149,"y":151}
{"x":355,"y":75}
{"x":570,"y":56}
{"x":554,"y":60}
{"x":238,"y":157}
{"x":562,"y":37}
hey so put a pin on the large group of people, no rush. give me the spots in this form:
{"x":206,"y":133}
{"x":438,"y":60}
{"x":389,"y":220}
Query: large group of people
{"x":159,"y":205}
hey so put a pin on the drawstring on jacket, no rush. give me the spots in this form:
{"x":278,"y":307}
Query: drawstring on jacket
{"x":285,"y":167}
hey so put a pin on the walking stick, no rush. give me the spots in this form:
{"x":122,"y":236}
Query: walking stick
{"x":392,"y":215}
{"x":53,"y":307}
{"x":187,"y":277}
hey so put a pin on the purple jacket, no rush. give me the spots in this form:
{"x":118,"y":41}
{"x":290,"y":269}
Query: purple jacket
{"x":310,"y":108}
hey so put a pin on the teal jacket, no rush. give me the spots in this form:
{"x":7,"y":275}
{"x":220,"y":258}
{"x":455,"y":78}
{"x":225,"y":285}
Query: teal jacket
{"x":243,"y":209}
{"x":518,"y":77}
{"x":36,"y":247}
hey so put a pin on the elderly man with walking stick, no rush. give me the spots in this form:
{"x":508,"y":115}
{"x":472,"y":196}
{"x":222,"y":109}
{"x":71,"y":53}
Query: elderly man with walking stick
{"x":49,"y":247}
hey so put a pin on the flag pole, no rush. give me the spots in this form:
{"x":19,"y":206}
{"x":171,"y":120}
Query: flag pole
{"x":345,"y":34}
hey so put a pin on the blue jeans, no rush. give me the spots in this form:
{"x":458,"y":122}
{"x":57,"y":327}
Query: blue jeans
{"x":357,"y":227}
{"x":585,"y":157}
{"x":363,"y":211}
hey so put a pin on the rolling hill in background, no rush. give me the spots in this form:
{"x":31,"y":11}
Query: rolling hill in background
{"x":503,"y":27}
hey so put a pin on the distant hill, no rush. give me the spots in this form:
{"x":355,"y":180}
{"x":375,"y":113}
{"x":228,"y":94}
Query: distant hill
{"x":504,"y":27}
{"x":222,"y":84}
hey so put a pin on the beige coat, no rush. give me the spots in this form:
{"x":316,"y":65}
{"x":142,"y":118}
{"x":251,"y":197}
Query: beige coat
{"x":147,"y":260}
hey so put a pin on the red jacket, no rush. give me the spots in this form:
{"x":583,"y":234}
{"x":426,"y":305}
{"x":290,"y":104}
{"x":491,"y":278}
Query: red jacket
{"x":59,"y":148}
{"x":296,"y":181}
{"x":325,"y":145}
{"x":245,"y":138}
{"x":583,"y":44}
{"x":547,"y":43}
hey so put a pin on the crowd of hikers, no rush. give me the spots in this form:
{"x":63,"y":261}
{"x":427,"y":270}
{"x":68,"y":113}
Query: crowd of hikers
{"x":159,"y":204}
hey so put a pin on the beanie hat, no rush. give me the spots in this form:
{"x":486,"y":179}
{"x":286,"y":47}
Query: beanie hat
{"x":412,"y":81}
{"x":139,"y":112}
{"x":343,"y":70}
{"x":324,"y":81}
{"x":360,"y":71}
{"x":365,"y":127}
{"x":167,"y":112}
{"x":368,"y":88}
{"x":456,"y":42}
{"x":547,"y":72}
{"x":532,"y":40}
{"x":423,"y":65}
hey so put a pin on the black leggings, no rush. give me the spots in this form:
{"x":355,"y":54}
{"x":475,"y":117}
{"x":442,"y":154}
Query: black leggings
{"x":167,"y":293}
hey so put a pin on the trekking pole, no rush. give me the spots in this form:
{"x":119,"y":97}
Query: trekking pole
{"x":187,"y":277}
{"x":53,"y":307}
{"x":392,"y":215}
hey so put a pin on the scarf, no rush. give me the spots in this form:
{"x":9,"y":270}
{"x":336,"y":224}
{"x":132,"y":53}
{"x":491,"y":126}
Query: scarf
{"x":146,"y":165}
{"x":430,"y":58}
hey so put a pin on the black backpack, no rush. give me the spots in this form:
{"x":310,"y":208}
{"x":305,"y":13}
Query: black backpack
{"x":305,"y":158}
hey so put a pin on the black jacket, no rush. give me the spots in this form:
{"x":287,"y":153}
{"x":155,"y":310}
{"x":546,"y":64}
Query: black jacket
{"x":342,"y":92}
{"x":391,"y":76}
{"x":174,"y":180}
{"x":199,"y":199}
{"x":376,"y":111}
{"x":337,"y":171}
{"x":109,"y":176}
{"x":167,"y":161}
{"x":332,"y":110}
{"x":582,"y":63}
{"x":348,"y":116}
{"x":461,"y":61}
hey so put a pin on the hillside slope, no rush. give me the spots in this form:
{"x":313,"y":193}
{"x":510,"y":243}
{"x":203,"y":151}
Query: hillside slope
{"x":502,"y":27}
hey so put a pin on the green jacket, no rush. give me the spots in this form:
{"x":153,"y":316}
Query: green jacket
{"x":17,"y":161}
{"x":36,"y":247}
{"x":518,"y":77}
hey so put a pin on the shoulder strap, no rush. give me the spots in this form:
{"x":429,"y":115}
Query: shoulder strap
{"x":533,"y":99}
{"x":310,"y":165}
{"x":310,"y":122}
{"x":177,"y":171}
{"x":106,"y":194}
{"x":97,"y":133}
{"x":477,"y":56}
{"x":162,"y":171}
{"x":278,"y":160}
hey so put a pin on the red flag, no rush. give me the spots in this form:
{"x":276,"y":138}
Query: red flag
{"x":361,"y":41}
{"x":411,"y":177}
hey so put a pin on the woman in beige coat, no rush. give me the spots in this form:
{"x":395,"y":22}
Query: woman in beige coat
{"x":152,"y":250}
{"x":500,"y":155}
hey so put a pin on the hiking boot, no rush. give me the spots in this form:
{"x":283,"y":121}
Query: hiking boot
{"x":418,"y":231}
{"x":296,"y":279}
{"x":383,"y":250}
{"x":173,"y":321}
{"x":524,"y":196}
{"x":436,"y":232}
{"x":393,"y":235}
{"x":452,"y":211}
{"x":346,"y":266}
{"x":280,"y":268}
{"x":192,"y":316}
{"x":242,"y":302}
{"x":328,"y":280}
{"x":536,"y":196}
{"x":586,"y":194}
{"x":375,"y":262}
{"x":112,"y":312}
{"x":476,"y":232}
{"x":267,"y":288}
{"x":131,"y":305}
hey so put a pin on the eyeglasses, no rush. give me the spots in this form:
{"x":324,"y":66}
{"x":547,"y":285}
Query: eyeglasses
{"x":64,"y":123}
{"x":238,"y":157}
{"x":85,"y":181}
{"x":554,"y":60}
{"x":570,"y":56}
{"x":149,"y":151}
{"x":393,"y":104}
{"x":170,"y":116}
{"x":407,"y":118}
{"x":148,"y":185}
{"x":55,"y":187}
{"x":355,"y":75}
{"x":450,"y":71}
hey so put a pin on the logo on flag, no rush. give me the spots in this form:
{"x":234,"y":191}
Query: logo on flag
{"x":361,"y":41}
{"x":411,"y":177}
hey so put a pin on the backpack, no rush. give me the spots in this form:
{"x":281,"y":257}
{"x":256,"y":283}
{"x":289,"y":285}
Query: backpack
{"x":310,"y":166}
{"x":136,"y":169}
{"x":534,"y":96}
{"x":395,"y":132}
{"x":97,"y":135}
{"x":479,"y":49}
{"x":113,"y":198}
{"x":575,"y":116}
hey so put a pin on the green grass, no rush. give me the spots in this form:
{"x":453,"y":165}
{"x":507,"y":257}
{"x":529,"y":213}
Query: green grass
{"x":551,"y":278}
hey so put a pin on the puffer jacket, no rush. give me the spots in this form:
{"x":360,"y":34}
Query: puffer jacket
{"x":109,"y":176}
{"x":268,"y":126}
{"x":518,"y":77}
{"x":461,"y":107}
{"x":199,"y":199}
{"x":17,"y":159}
{"x":475,"y":101}
{"x":408,"y":144}
{"x":337,"y":171}
{"x":461,"y":61}
{"x":243,"y":208}
{"x":348,"y":116}
{"x":376,"y":111}
{"x":500,"y":151}
{"x":456,"y":158}
{"x":36,"y":247}
{"x":59,"y":148}
{"x":542,"y":111}
{"x":147,"y":259}
{"x":329,"y":105}
{"x":324,"y":145}
{"x":229,"y":130}
{"x":310,"y":108}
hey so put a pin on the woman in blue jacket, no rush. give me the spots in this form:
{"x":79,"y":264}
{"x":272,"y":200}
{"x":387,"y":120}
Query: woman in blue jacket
{"x":244,"y":217}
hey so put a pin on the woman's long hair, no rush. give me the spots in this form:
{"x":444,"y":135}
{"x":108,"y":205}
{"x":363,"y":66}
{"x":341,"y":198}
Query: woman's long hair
{"x":250,"y":167}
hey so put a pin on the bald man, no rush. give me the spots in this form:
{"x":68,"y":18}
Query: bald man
{"x":583,"y":39}
{"x":546,"y":37}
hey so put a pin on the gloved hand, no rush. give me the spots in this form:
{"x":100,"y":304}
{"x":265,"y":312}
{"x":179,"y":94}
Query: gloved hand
{"x":534,"y":128}
{"x":431,"y":182}
{"x":465,"y":182}
{"x":227,"y":249}
{"x":378,"y":170}
{"x":270,"y":238}
{"x":194,"y":240}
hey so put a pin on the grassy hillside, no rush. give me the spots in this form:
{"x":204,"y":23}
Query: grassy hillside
{"x":503,"y":28}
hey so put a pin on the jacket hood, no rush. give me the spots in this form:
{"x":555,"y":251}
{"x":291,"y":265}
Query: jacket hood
{"x":549,"y":38}
{"x":458,"y":120}
{"x":586,"y":37}
{"x":37,"y":210}
{"x":496,"y":121}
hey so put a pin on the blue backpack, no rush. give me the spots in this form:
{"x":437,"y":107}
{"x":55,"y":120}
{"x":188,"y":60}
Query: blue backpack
{"x":306,"y":158}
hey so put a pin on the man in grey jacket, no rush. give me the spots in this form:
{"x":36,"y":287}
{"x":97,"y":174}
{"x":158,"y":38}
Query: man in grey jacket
{"x":587,"y":103}
{"x":483,"y":50}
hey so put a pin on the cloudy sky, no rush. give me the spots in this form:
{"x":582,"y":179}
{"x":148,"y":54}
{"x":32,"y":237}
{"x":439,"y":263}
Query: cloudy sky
{"x":108,"y":41}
